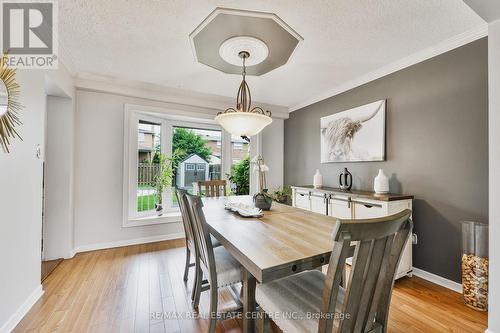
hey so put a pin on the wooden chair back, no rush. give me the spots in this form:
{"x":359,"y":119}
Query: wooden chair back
{"x":186,"y":217}
{"x":379,"y":244}
{"x":213,"y":188}
{"x":202,"y":236}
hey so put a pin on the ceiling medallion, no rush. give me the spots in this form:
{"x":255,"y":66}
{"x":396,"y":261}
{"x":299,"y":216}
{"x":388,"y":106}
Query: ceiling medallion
{"x":262,"y":41}
{"x":243,"y":120}
{"x":217,"y":40}
{"x":231,"y":47}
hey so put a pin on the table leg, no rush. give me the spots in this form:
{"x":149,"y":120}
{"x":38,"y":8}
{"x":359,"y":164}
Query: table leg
{"x":249,"y":284}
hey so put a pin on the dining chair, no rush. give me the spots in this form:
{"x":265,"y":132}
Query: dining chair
{"x":213,"y":188}
{"x":191,"y":245}
{"x":319,"y":303}
{"x":218,"y":265}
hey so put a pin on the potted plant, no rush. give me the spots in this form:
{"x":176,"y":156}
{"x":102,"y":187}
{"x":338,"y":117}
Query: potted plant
{"x":262,"y":199}
{"x":282,"y":193}
{"x":163,"y":179}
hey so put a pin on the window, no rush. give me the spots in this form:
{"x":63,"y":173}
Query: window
{"x":240,"y":149}
{"x":204,"y":152}
{"x":240,"y":165}
{"x":201,"y":149}
{"x":146,"y":138}
{"x":148,"y":165}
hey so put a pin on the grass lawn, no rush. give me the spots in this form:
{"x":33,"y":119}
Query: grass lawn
{"x":145,"y":202}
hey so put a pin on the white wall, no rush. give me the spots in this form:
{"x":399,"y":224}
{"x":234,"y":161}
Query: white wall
{"x":99,"y":175}
{"x":494,"y":174}
{"x":99,"y":163}
{"x":489,"y":10}
{"x":59,"y":166}
{"x":21,"y":206}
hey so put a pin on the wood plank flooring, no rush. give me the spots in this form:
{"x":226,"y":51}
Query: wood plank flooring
{"x":48,"y":267}
{"x":118,"y":290}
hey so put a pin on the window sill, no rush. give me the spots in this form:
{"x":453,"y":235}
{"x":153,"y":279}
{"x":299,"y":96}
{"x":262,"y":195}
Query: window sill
{"x":169,"y":217}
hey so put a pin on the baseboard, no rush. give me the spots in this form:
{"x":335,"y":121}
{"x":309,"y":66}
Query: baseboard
{"x":135,"y":241}
{"x":438,"y":280}
{"x":22,"y":310}
{"x":70,"y":254}
{"x":488,"y":331}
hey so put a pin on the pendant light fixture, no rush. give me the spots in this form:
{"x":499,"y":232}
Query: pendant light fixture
{"x":243,"y":120}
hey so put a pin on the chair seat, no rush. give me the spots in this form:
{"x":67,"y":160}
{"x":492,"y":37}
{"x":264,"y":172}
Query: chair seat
{"x":296,"y":295}
{"x":228,"y":269}
{"x":215,"y":242}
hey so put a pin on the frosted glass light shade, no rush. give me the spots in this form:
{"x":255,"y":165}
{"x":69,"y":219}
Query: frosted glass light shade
{"x":243,"y":123}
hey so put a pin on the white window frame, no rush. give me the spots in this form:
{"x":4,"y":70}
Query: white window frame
{"x":168,"y":120}
{"x":190,"y":167}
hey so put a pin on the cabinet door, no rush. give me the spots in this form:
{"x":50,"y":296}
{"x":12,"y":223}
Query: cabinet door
{"x":405,"y":265}
{"x":318,"y":203}
{"x":302,"y":200}
{"x":340,"y":209}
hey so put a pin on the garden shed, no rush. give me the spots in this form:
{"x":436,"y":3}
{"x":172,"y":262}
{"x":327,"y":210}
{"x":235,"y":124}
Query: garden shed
{"x":191,"y":169}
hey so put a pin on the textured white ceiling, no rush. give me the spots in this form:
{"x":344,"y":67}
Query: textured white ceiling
{"x":147,"y":40}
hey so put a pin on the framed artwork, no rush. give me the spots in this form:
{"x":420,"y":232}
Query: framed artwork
{"x":355,"y":135}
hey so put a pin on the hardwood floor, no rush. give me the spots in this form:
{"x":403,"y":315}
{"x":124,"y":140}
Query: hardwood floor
{"x":48,"y":267}
{"x":117,"y":290}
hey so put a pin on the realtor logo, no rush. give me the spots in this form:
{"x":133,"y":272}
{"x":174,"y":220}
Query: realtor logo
{"x":29,"y":33}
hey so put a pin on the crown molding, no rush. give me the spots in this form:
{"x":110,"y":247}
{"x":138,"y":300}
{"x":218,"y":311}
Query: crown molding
{"x":178,"y":99}
{"x":440,"y":48}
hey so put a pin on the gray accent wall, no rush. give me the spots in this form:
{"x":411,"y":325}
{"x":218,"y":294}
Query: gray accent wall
{"x":436,"y":147}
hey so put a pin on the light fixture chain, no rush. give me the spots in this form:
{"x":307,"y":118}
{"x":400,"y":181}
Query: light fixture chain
{"x":244,"y":97}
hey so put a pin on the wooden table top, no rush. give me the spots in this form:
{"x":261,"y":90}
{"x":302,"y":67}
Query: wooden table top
{"x":286,"y":240}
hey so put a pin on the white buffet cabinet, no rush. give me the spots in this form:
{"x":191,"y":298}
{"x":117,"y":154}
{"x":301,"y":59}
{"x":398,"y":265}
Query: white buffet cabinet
{"x":355,"y":205}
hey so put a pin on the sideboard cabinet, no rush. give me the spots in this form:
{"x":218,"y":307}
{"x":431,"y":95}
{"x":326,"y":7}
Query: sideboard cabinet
{"x":355,"y":205}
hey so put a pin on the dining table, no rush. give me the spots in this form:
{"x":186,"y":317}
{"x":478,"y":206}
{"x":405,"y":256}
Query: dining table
{"x":283,"y":241}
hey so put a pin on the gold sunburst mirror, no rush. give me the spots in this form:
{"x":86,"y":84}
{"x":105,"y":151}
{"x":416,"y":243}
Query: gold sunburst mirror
{"x":9,"y":105}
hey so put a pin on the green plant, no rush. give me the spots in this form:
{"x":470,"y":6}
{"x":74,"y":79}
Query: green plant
{"x":165,"y":175}
{"x":240,"y":176}
{"x":283,"y":191}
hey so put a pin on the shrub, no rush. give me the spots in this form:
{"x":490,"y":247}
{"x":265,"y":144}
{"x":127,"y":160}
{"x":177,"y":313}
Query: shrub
{"x":240,"y":176}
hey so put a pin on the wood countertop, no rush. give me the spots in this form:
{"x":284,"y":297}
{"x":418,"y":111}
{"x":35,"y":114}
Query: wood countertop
{"x":355,"y":194}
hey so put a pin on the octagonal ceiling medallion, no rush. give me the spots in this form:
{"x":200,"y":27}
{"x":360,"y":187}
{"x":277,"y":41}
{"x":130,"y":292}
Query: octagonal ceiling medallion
{"x":217,"y":41}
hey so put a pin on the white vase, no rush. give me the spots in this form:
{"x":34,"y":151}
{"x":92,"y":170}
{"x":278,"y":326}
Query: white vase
{"x":317,"y":179}
{"x":381,"y":182}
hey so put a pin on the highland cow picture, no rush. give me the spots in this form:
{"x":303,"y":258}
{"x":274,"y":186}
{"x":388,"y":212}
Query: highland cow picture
{"x":355,"y":135}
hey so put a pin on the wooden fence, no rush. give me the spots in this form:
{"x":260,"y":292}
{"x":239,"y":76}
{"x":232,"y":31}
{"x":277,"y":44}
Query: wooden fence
{"x":147,"y":173}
